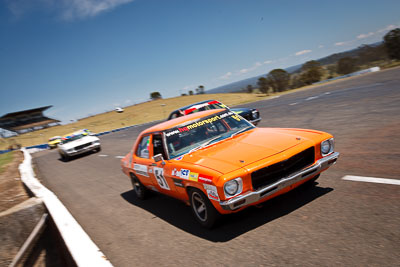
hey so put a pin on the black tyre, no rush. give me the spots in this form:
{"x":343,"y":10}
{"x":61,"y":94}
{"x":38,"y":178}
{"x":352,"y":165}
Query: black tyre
{"x":203,"y":210}
{"x":98,"y":149}
{"x":64,"y":157}
{"x":140,"y":190}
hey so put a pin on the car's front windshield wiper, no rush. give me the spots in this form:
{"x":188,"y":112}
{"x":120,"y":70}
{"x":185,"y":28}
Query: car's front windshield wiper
{"x":242,"y":130}
{"x":205,"y":143}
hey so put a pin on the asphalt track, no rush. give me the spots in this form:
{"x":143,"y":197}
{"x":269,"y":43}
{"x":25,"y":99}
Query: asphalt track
{"x":337,"y":222}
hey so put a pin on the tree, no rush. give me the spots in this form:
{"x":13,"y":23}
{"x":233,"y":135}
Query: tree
{"x":191,"y":92}
{"x":278,"y":80}
{"x":369,"y":53}
{"x":263,"y":85}
{"x":346,"y":65}
{"x":296,"y":82}
{"x":392,"y":43}
{"x":155,"y":95}
{"x":311,"y":72}
{"x":249,"y":89}
{"x":200,"y":90}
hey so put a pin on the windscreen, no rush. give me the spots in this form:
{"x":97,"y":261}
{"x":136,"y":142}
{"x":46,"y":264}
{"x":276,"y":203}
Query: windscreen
{"x":203,"y":132}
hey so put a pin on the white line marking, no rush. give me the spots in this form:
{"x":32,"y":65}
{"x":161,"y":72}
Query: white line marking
{"x":371,"y":179}
{"x":119,"y":157}
{"x":311,"y":98}
{"x":102,"y":155}
{"x":292,"y":104}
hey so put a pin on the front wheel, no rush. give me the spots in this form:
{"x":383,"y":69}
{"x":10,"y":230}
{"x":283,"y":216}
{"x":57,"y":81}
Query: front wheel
{"x":203,"y":210}
{"x":140,"y":190}
{"x":64,"y":157}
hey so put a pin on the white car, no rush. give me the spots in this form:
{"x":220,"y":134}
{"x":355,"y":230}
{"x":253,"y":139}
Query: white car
{"x":77,"y":143}
{"x":119,"y":110}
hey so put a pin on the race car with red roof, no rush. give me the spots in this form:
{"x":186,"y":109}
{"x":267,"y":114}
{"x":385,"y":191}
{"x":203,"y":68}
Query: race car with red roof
{"x":219,"y":163}
{"x":250,"y":114}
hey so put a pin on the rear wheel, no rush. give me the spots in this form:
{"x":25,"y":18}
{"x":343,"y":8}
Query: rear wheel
{"x":140,"y":190}
{"x":203,"y":210}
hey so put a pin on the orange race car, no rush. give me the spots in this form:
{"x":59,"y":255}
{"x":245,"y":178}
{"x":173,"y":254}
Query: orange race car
{"x":219,"y":163}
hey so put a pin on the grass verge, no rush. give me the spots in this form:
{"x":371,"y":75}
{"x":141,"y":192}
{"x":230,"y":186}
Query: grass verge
{"x":5,"y":159}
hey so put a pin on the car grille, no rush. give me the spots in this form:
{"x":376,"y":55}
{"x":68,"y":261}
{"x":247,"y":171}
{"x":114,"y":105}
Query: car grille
{"x":247,"y":116}
{"x":82,"y":146}
{"x":277,"y":171}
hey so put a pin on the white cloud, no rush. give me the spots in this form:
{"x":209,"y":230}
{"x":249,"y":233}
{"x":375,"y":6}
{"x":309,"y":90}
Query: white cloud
{"x":340,"y":43}
{"x":66,"y":9}
{"x":226,"y":76}
{"x":388,"y":28}
{"x":268,"y":62}
{"x":88,"y":8}
{"x":303,"y":52}
{"x":320,"y":46}
{"x":365,"y":35}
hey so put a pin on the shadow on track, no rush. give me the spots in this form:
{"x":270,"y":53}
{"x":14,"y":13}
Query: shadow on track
{"x":230,"y":226}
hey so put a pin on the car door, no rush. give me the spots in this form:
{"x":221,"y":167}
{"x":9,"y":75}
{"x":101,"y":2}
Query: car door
{"x":160,"y":171}
{"x":141,"y":162}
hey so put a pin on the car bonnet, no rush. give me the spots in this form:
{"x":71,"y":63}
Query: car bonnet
{"x":237,"y":152}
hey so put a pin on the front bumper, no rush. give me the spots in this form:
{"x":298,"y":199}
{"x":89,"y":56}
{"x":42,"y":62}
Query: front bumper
{"x":83,"y":150}
{"x":254,"y":196}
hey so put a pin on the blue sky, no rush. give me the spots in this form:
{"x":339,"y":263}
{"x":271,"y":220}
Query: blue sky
{"x":89,"y":56}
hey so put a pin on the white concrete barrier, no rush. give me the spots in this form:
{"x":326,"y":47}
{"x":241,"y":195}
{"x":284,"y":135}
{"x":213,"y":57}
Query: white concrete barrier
{"x":83,"y":250}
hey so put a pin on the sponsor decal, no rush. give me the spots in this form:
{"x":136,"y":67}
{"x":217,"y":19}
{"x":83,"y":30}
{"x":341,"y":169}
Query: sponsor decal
{"x":212,"y":192}
{"x":200,"y":123}
{"x":178,"y":182}
{"x":185,"y":174}
{"x":194,"y":176}
{"x":159,"y":174}
{"x":205,"y":179}
{"x":179,"y":158}
{"x":236,"y":117}
{"x":141,"y":169}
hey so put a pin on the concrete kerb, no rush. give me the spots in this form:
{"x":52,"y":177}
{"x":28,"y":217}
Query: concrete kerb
{"x":83,"y":250}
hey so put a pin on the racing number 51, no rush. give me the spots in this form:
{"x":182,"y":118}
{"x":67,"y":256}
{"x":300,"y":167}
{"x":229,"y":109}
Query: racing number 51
{"x":159,"y":174}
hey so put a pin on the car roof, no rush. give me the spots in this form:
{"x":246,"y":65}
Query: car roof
{"x":76,"y":132}
{"x":181,"y":120}
{"x":194,"y":104}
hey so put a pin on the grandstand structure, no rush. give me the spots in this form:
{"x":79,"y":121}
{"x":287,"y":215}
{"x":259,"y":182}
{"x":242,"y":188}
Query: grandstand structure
{"x":27,"y":120}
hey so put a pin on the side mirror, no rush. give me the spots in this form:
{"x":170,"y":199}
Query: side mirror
{"x":158,"y":158}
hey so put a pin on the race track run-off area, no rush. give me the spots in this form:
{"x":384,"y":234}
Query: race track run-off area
{"x":350,"y":218}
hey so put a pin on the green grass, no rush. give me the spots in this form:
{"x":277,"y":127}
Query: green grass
{"x":5,"y":159}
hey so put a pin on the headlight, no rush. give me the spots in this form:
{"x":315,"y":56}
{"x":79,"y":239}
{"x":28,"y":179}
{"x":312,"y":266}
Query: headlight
{"x":327,"y":147}
{"x":96,"y":142}
{"x":255,"y":114}
{"x":233,"y":187}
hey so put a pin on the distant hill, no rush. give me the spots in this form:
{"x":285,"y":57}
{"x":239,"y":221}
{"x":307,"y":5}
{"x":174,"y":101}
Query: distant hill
{"x":241,"y":85}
